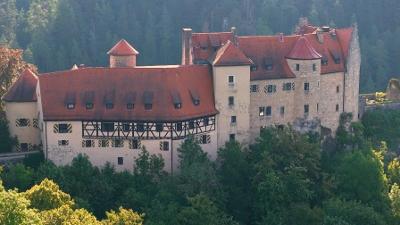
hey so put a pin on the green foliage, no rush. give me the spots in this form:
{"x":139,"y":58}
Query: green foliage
{"x":7,"y":142}
{"x":18,"y":176}
{"x":123,"y":217}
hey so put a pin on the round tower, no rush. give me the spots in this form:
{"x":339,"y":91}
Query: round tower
{"x":122,"y":55}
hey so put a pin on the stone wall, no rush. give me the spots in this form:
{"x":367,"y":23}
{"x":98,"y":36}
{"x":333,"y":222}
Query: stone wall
{"x":122,"y":61}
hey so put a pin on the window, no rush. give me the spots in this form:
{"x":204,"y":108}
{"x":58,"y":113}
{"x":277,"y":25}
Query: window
{"x":206,"y":121}
{"x":337,"y":89}
{"x":317,"y":107}
{"x":282,"y":110}
{"x":253,"y":68}
{"x":297,"y":67}
{"x":337,"y":107}
{"x":204,"y":139}
{"x":129,"y":106}
{"x":268,"y":111}
{"x":314,"y":67}
{"x":306,"y":86}
{"x":109,"y":106}
{"x":120,"y":160}
{"x":24,"y":147}
{"x":178,"y":126}
{"x":233,"y":119}
{"x":126,"y":127}
{"x":191,"y":124}
{"x":231,"y":101}
{"x":178,"y":105}
{"x":104,"y":143}
{"x":231,"y":80}
{"x":23,"y":123}
{"x":306,"y":109}
{"x":87,"y":143}
{"x":148,"y":106}
{"x":117,"y":143}
{"x":232,"y":137}
{"x":140,"y":127}
{"x":268,"y":67}
{"x":159,"y":127}
{"x":134,"y":144}
{"x":63,"y":143}
{"x":164,"y":146}
{"x":261,"y":111}
{"x":324,"y":61}
{"x":271,"y":88}
{"x":253,"y":88}
{"x":107,"y":126}
{"x":63,"y":128}
{"x":70,"y":106}
{"x":288,"y":86}
{"x":89,"y":105}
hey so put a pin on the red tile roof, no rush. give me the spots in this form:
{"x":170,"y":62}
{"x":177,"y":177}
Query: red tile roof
{"x":24,"y":89}
{"x":123,"y":48}
{"x":206,"y":44}
{"x":270,"y":48}
{"x":128,"y":85}
{"x":302,"y":50}
{"x":230,"y":55}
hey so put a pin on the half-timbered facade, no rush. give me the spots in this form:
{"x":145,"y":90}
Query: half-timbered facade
{"x":227,"y":88}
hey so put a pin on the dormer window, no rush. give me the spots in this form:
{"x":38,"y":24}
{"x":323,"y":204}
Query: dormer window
{"x":195,"y":97}
{"x":148,"y":106}
{"x":130,"y":98}
{"x":129,"y":106}
{"x":253,"y":67}
{"x":148,"y":100}
{"x":176,"y":99}
{"x":324,"y":61}
{"x":336,"y":57}
{"x":89,"y":105}
{"x":109,"y":106}
{"x":70,"y":106}
{"x":268,"y":63}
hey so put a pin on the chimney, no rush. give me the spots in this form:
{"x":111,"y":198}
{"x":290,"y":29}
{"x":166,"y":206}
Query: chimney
{"x":234,"y":33}
{"x":281,"y":38}
{"x":187,"y":46}
{"x":320,"y":36}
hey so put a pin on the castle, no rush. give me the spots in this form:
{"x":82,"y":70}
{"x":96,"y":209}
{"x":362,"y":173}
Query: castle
{"x":227,"y":87}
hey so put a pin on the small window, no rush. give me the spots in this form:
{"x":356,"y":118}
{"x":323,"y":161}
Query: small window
{"x":271,"y":88}
{"x":140,"y":127}
{"x":64,"y":128}
{"x":120,"y":160}
{"x":159,"y":127}
{"x":253,"y":68}
{"x":253,"y":88}
{"x":129,"y":106}
{"x":261,"y":111}
{"x":206,"y":121}
{"x":63,"y":142}
{"x":268,"y":67}
{"x":306,"y":86}
{"x":204,"y":139}
{"x":231,"y":80}
{"x":164,"y":146}
{"x":337,"y":89}
{"x":233,"y":119}
{"x":23,"y":123}
{"x":288,"y":86}
{"x":314,"y":67}
{"x":231,"y":101}
{"x":135,"y":144}
{"x":88,"y":143}
{"x":107,"y":126}
{"x":71,"y":106}
{"x":337,"y":107}
{"x":178,"y":105}
{"x":126,"y":127}
{"x":178,"y":126}
{"x":24,"y":147}
{"x":324,"y":61}
{"x":89,"y":105}
{"x":317,"y":107}
{"x":109,"y":106}
{"x":282,"y":110}
{"x":297,"y":67}
{"x":268,"y":111}
{"x":118,"y":143}
{"x":306,"y":109}
{"x":103,"y":143}
{"x":232,"y":137}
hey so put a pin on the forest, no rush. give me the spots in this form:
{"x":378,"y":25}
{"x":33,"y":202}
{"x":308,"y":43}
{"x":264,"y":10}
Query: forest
{"x":284,"y":178}
{"x":56,"y":34}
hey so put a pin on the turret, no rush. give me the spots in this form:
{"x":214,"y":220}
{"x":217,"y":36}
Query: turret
{"x":122,"y":55}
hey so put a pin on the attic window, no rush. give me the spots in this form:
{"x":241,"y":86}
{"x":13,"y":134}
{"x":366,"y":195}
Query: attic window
{"x":268,"y":63}
{"x":130,"y":98}
{"x":70,"y":106}
{"x":109,"y":99}
{"x":176,"y":99}
{"x":195,"y":97}
{"x":129,"y":106}
{"x":89,"y":99}
{"x":148,"y":100}
{"x":253,"y":67}
{"x":336,"y":57}
{"x":70,"y":100}
{"x":89,"y":105}
{"x":324,"y":60}
{"x":109,"y":106}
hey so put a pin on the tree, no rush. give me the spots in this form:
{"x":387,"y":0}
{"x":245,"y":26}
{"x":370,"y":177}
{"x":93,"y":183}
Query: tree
{"x":18,"y":176}
{"x":7,"y":142}
{"x":47,"y":195}
{"x":123,"y":217}
{"x":202,"y":211}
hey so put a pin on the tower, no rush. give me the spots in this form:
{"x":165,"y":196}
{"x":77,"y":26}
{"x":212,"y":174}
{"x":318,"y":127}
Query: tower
{"x":122,"y":55}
